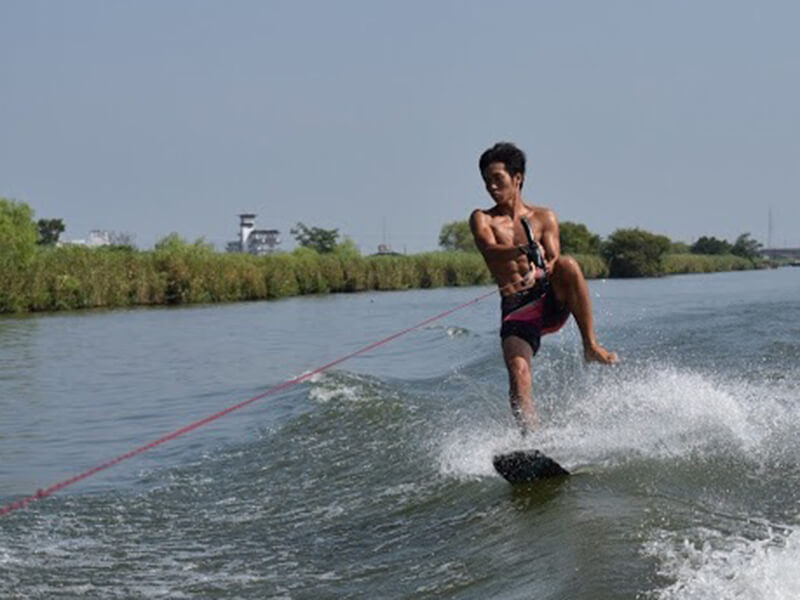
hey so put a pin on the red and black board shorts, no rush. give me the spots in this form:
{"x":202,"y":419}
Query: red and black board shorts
{"x":532,"y":313}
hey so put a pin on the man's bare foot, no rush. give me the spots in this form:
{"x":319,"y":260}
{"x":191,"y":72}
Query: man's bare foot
{"x":597,"y":353}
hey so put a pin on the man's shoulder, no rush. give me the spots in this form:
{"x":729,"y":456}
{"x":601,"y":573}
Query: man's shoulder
{"x":481,"y":214}
{"x":543,"y":214}
{"x":539,"y":209}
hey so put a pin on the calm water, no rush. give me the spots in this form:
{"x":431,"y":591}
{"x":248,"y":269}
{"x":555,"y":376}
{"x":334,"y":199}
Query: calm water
{"x":375,"y":480}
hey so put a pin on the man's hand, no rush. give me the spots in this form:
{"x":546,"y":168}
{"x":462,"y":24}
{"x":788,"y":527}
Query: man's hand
{"x":536,"y":255}
{"x":549,"y":265}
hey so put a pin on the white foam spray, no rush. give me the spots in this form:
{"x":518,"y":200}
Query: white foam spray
{"x":707,"y":564}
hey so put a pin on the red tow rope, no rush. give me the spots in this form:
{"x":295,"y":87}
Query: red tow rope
{"x":44,"y":492}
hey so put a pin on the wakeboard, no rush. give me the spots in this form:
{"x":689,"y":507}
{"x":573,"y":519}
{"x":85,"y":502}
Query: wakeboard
{"x":527,"y":466}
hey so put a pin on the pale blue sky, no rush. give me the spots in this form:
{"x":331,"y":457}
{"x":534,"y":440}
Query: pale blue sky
{"x":680,"y":117}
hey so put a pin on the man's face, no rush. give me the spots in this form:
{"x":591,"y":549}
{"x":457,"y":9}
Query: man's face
{"x":502,"y":187}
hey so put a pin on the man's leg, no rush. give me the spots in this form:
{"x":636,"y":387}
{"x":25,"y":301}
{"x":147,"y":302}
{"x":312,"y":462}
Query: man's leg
{"x":570,"y":287}
{"x":517,"y":354}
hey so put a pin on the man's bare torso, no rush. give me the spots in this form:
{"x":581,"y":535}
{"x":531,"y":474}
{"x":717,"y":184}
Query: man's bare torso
{"x":507,"y":230}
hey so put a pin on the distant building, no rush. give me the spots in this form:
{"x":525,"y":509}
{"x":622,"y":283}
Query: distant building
{"x":97,"y":237}
{"x":385,"y":250}
{"x":780,"y":253}
{"x":252,"y":240}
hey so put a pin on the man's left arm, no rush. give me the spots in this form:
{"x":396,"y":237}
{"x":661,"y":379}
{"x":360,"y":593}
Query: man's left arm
{"x":550,"y":241}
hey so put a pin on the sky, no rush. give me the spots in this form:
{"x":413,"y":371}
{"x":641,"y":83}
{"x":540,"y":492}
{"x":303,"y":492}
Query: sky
{"x":151,"y":117}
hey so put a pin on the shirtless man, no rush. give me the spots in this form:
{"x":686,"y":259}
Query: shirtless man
{"x":535,"y":300}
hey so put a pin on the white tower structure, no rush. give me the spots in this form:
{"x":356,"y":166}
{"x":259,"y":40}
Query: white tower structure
{"x":247,"y":222}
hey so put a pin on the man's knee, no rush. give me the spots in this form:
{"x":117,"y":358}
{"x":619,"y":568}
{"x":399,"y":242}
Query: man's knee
{"x":567,"y":267}
{"x":567,"y":276}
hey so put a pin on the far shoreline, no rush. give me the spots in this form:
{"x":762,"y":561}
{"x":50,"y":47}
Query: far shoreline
{"x":79,"y":279}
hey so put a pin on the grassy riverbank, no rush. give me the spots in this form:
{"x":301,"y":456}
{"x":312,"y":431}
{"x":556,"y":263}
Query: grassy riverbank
{"x":675,"y":264}
{"x":77,"y":277}
{"x":595,"y":267}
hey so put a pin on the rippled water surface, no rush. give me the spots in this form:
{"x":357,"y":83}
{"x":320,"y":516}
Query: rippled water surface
{"x":374,"y":479}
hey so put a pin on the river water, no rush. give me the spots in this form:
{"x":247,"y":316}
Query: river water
{"x":374,"y":480}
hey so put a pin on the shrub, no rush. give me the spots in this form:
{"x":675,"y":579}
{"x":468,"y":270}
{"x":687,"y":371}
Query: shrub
{"x":592,"y":265}
{"x":635,"y":253}
{"x":17,"y":248}
{"x":575,"y":238}
{"x":457,"y":236}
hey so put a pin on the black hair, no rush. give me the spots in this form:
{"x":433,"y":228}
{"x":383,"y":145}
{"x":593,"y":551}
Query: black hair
{"x":507,"y":153}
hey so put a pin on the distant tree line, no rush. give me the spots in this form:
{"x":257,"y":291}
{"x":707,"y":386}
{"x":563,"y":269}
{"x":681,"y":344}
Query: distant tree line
{"x":630,"y":252}
{"x":38,"y":274}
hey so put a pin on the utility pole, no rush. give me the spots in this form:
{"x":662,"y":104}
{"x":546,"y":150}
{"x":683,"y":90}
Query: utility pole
{"x":769,"y":228}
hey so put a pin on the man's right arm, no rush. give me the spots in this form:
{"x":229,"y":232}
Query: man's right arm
{"x":487,"y":243}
